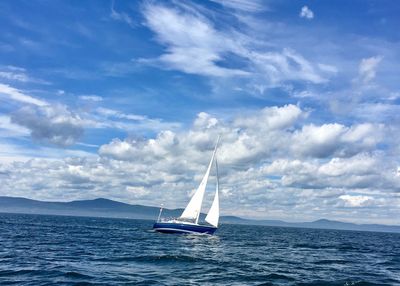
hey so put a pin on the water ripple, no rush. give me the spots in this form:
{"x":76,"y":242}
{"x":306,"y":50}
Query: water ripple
{"x":53,"y":250}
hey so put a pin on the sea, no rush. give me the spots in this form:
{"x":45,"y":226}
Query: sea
{"x":61,"y":250}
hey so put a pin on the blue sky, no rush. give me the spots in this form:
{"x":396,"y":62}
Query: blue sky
{"x":125,"y":99}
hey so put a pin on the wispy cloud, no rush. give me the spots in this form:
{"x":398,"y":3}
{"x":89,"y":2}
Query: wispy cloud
{"x":17,"y":95}
{"x":191,"y":38}
{"x":367,"y":68}
{"x":121,"y":16}
{"x":243,"y":5}
{"x":91,"y":98}
{"x":13,"y":73}
{"x":111,"y":118}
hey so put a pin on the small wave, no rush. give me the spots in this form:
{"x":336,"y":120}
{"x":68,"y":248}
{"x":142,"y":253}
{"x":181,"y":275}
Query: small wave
{"x":276,"y":276}
{"x":153,"y":258}
{"x":347,"y":247}
{"x":76,"y":275}
{"x":311,"y":246}
{"x":272,"y":277}
{"x":16,"y":272}
{"x":331,"y":261}
{"x":341,"y":283}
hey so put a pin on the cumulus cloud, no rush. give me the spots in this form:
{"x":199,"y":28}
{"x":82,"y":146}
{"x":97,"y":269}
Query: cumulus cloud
{"x":50,"y":124}
{"x":306,"y":12}
{"x":271,"y":161}
{"x":362,"y":171}
{"x":336,"y":139}
{"x":356,"y":201}
{"x":270,"y":118}
{"x":272,"y":131}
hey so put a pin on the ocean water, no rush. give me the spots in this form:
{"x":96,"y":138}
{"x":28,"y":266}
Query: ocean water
{"x":56,"y":250}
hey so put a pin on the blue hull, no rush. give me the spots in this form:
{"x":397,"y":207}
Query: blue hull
{"x":167,"y":227}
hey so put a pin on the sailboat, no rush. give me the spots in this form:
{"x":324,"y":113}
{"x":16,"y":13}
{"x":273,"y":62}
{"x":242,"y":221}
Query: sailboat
{"x":188,"y":222}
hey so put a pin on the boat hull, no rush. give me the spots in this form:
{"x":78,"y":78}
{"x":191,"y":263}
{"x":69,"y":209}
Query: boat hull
{"x":168,"y":227}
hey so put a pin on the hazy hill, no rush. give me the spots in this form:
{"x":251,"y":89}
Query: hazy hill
{"x":109,"y":208}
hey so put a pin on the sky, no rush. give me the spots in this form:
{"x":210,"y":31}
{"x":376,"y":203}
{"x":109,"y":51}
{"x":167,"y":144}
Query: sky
{"x":126,"y":99}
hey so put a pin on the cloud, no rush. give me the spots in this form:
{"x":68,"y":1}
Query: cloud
{"x":243,"y":5}
{"x":111,"y":118}
{"x":11,"y":130}
{"x":306,"y":12}
{"x":91,"y":98}
{"x":287,"y":65}
{"x":114,"y":113}
{"x":271,"y":161}
{"x":270,"y":118}
{"x":190,"y":37}
{"x":328,"y":68}
{"x":50,"y":124}
{"x":13,"y":73}
{"x":356,"y":201}
{"x":336,"y":139}
{"x":17,"y":95}
{"x":367,"y":68}
{"x":121,"y":16}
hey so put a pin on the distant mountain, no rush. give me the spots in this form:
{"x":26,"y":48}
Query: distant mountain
{"x":108,"y":208}
{"x":97,"y":207}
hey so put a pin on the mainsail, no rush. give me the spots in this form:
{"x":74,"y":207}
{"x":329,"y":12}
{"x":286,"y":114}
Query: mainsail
{"x":192,"y":210}
{"x":213,"y":214}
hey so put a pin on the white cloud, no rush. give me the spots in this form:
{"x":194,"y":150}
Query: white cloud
{"x":115,"y":113}
{"x":91,"y":98}
{"x":270,"y":118}
{"x":328,"y":68}
{"x":111,"y":118}
{"x":190,"y":37}
{"x":306,"y":12}
{"x":12,"y":73}
{"x":367,"y":68}
{"x":14,"y":76}
{"x":287,"y":65}
{"x":17,"y":95}
{"x":356,"y":201}
{"x":262,"y":170}
{"x":336,"y":139}
{"x":243,"y":5}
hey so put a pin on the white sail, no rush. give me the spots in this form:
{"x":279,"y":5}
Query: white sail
{"x":192,"y":210}
{"x":213,"y":214}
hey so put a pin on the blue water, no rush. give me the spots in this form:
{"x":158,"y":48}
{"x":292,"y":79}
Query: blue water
{"x":55,"y":250}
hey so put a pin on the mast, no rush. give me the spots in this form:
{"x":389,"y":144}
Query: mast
{"x":193,"y":209}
